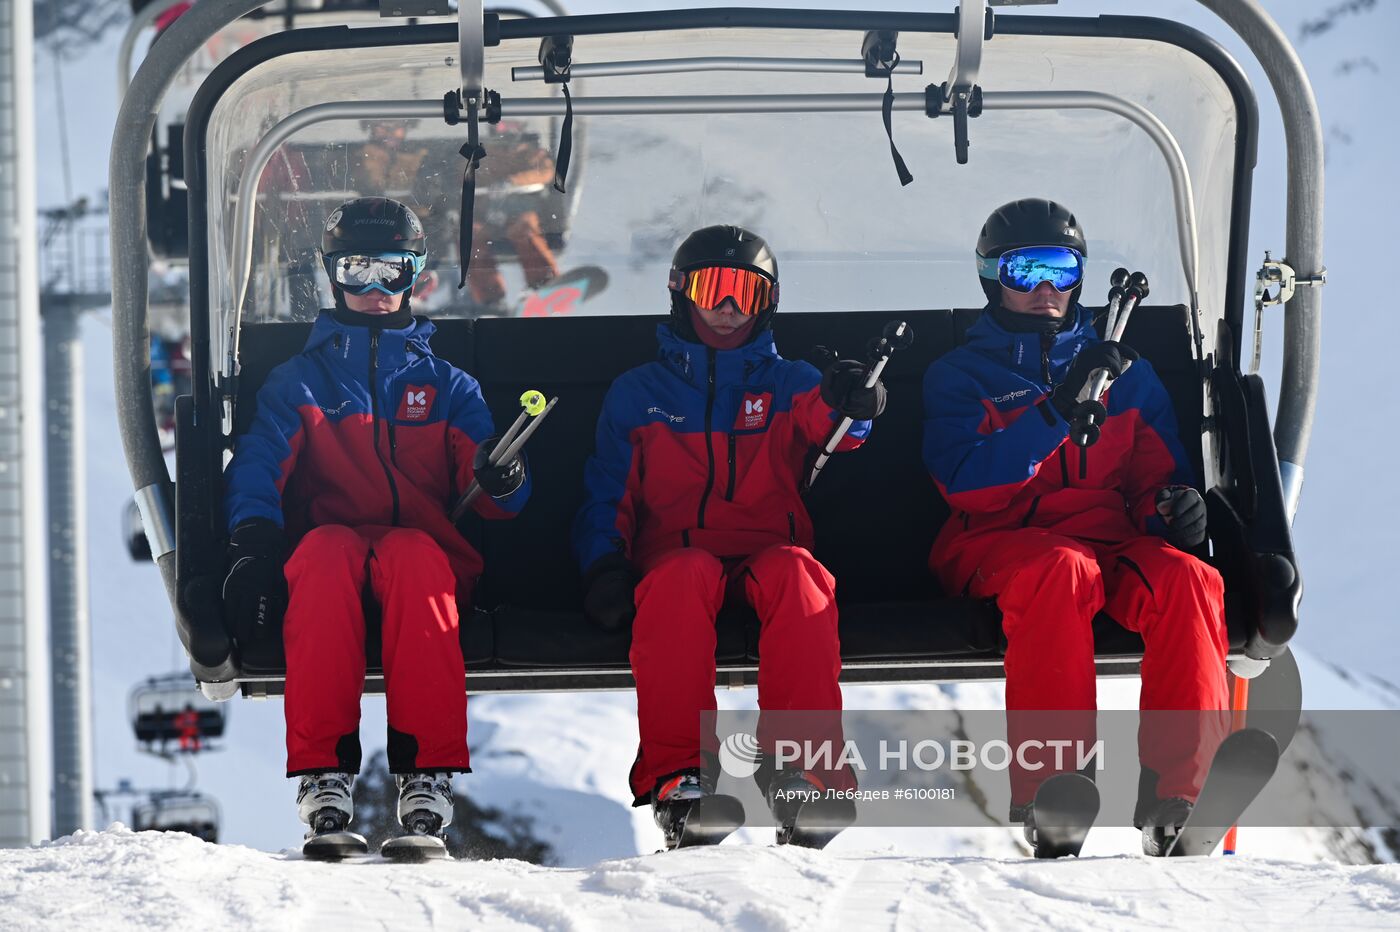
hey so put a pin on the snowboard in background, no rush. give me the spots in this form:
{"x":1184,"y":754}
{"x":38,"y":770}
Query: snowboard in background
{"x":563,"y":294}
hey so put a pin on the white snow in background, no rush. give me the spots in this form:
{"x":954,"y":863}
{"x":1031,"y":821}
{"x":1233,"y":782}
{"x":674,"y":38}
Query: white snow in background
{"x":562,"y":758}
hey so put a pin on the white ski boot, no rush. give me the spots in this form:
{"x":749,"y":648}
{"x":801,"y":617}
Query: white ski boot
{"x":324,"y":804}
{"x":425,"y":811}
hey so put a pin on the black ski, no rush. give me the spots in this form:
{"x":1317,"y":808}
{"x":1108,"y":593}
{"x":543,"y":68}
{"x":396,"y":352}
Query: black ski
{"x":413,"y":847}
{"x":1240,"y":770}
{"x":333,"y":846}
{"x":708,"y":820}
{"x":814,"y":823}
{"x":1065,"y":808}
{"x":1276,"y":699}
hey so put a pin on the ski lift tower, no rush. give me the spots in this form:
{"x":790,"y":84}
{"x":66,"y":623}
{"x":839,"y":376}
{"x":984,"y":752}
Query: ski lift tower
{"x":24,"y":809}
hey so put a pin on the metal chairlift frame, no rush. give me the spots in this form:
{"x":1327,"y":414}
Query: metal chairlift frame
{"x":1299,"y":113}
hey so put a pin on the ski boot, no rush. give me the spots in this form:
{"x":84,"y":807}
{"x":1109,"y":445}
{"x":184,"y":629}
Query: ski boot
{"x":425,"y":811}
{"x":807,"y":817}
{"x":1162,"y":824}
{"x":690,"y":813}
{"x":324,"y":804}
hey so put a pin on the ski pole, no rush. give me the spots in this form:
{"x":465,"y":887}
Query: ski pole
{"x":1118,"y":280}
{"x":510,"y":443}
{"x":1086,"y":428}
{"x":531,"y":403}
{"x":897,"y":335}
{"x":1238,"y":715}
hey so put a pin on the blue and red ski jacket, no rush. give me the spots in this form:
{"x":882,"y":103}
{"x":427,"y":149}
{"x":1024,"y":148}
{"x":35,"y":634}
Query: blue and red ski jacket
{"x":704,"y":448}
{"x":365,"y":427}
{"x":1003,"y":459}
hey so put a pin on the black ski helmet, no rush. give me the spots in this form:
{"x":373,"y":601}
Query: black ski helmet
{"x":729,"y":246}
{"x":371,"y":224}
{"x":1031,"y":221}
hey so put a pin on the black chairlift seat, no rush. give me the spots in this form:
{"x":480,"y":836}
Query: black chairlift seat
{"x":163,"y":710}
{"x":876,"y":511}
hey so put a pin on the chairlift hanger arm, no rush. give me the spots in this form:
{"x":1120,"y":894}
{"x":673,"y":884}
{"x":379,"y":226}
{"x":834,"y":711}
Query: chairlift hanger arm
{"x":1302,"y":129}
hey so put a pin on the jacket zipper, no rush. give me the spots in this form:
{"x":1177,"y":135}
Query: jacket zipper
{"x":1064,"y":467}
{"x":374,"y":419}
{"x":729,"y":496}
{"x":709,"y":438}
{"x":792,"y":527}
{"x":1046,"y":341}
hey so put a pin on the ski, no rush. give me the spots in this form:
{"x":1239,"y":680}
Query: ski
{"x":1065,"y":808}
{"x":708,"y":820}
{"x":333,"y":846}
{"x":1276,"y":699}
{"x":1241,"y":768}
{"x":816,"y":822}
{"x":413,"y":848}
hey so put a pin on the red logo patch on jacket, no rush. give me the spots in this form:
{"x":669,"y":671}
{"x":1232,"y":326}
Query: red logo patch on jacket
{"x":417,"y":402}
{"x":753,"y":411}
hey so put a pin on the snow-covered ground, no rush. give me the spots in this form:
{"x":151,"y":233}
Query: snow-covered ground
{"x":119,"y":880}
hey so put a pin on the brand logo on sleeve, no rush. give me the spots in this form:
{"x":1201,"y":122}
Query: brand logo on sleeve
{"x":417,"y":402}
{"x":753,"y":412}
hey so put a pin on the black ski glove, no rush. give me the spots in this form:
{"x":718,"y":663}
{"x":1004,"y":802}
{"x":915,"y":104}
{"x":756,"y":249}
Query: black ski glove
{"x":502,"y":479}
{"x":1184,"y":511}
{"x":255,"y":589}
{"x":610,"y":587}
{"x":843,"y":388}
{"x":1109,"y":357}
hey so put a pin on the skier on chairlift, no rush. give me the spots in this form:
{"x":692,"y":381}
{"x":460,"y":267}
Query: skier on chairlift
{"x":340,"y":485}
{"x":1056,"y":533}
{"x":693,"y":501}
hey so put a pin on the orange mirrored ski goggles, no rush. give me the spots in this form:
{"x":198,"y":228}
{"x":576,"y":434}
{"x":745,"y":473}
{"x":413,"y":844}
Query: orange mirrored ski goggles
{"x":752,"y":292}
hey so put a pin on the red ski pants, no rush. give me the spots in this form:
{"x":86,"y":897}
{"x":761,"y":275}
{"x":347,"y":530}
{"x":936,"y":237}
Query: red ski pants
{"x":673,"y":654}
{"x":324,"y":638}
{"x":1049,"y":588}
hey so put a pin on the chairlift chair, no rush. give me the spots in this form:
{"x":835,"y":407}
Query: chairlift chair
{"x":178,"y":811}
{"x":170,"y":713}
{"x":771,"y":118}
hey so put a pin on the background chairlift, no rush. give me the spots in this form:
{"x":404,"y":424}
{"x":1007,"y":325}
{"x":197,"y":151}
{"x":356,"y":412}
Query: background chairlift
{"x":528,"y":632}
{"x":170,"y":715}
{"x":178,"y":811}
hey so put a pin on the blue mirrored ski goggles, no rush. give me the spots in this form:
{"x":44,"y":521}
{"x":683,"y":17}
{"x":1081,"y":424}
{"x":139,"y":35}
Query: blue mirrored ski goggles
{"x":1025,"y":268}
{"x":360,"y":273}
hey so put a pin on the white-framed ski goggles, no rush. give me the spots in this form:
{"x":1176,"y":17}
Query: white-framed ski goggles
{"x":360,"y":273}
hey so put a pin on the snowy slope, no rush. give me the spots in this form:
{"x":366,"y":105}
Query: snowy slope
{"x":119,"y":880}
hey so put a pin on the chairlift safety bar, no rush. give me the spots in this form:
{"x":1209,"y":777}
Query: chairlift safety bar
{"x":471,"y":48}
{"x":712,"y":63}
{"x":974,"y":29}
{"x":261,"y":155}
